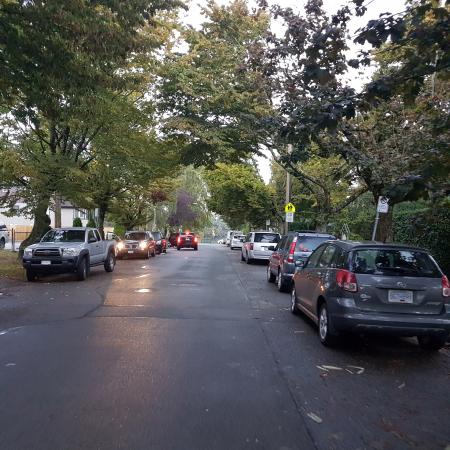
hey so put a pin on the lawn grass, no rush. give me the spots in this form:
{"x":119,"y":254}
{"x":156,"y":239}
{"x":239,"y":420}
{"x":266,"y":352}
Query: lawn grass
{"x":10,"y":266}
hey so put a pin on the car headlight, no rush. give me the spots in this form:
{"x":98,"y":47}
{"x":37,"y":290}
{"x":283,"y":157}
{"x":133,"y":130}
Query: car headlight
{"x":143,"y":245}
{"x":28,"y":252}
{"x":71,"y":251}
{"x":120,"y":245}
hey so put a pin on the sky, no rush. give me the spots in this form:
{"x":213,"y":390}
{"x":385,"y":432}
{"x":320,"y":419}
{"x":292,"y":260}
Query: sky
{"x":374,"y":9}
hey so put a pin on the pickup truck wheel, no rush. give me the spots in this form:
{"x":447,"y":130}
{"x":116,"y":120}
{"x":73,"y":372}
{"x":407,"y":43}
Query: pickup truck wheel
{"x":82,"y":269}
{"x":110,"y":262}
{"x":31,"y":276}
{"x":2,"y":243}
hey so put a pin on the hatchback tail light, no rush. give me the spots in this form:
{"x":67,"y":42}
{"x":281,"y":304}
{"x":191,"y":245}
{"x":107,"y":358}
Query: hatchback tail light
{"x":196,"y":239}
{"x":292,"y":251}
{"x":445,"y":286}
{"x":346,"y":280}
{"x":251,"y":245}
{"x":178,"y":239}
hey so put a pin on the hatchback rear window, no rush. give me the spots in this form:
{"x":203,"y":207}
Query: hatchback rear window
{"x":394,"y":262}
{"x":267,"y":237}
{"x":309,"y":244}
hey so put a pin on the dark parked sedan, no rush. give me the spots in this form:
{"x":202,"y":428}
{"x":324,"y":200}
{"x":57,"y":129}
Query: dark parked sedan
{"x":371,"y":287}
{"x":187,"y":240}
{"x":137,"y":243}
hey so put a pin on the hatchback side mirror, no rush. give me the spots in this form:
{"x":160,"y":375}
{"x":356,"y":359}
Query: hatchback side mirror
{"x":299,"y":264}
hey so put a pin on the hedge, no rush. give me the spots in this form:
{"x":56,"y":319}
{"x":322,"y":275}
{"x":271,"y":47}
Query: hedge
{"x":427,"y":228}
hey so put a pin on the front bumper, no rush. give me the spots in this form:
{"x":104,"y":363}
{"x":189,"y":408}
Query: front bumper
{"x":354,"y":320}
{"x":57,"y":265}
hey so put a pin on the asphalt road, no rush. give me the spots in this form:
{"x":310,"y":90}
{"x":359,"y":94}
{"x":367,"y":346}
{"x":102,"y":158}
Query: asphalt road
{"x":195,"y":350}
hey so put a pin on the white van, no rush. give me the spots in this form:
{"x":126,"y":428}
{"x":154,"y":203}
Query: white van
{"x":230,"y":236}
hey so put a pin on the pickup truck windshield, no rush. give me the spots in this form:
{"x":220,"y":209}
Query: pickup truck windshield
{"x":64,"y":236}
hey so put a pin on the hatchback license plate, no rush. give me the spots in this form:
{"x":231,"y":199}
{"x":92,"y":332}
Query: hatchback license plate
{"x":130,"y":251}
{"x":400,"y":296}
{"x":46,"y":263}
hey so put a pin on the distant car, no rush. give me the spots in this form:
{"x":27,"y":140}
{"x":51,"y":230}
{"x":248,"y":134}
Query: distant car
{"x":187,"y":240}
{"x":359,"y":287}
{"x":137,"y":243}
{"x":230,"y":236}
{"x":236,"y":241}
{"x":160,"y":242}
{"x":4,"y":235}
{"x":220,"y":241}
{"x":297,"y":245}
{"x":173,"y":239}
{"x":257,"y":245}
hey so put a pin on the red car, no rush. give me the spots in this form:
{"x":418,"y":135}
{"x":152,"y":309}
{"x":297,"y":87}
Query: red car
{"x":187,"y":240}
{"x":173,"y":239}
{"x":160,"y":242}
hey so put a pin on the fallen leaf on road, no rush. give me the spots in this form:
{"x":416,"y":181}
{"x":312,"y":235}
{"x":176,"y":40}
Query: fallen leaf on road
{"x":360,"y":370}
{"x":314,"y":417}
{"x":322,"y":368}
{"x":402,"y":386}
{"x":332,"y":367}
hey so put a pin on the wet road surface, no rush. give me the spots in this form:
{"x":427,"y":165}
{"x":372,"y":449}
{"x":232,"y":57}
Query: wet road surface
{"x":195,"y":350}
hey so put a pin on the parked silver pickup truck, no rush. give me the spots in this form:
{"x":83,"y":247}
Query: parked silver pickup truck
{"x":4,"y":235}
{"x":64,"y":250}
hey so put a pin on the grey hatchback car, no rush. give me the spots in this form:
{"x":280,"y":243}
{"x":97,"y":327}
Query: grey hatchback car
{"x":348,"y":286}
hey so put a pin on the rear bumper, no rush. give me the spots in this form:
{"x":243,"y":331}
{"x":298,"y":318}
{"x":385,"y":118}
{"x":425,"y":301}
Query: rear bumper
{"x":400,"y":324}
{"x":57,"y":265}
{"x":259,"y":255}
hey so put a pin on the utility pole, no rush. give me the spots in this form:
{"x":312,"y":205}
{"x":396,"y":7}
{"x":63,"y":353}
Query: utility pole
{"x":288,"y":190}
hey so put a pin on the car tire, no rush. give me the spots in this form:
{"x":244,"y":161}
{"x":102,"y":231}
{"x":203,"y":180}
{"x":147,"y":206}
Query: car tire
{"x":195,"y":248}
{"x":269,"y":275}
{"x":281,"y":283}
{"x":294,"y":300}
{"x":242,"y":257}
{"x":178,"y":248}
{"x":82,"y":269}
{"x":2,"y":244}
{"x":326,"y":335}
{"x":432,"y":342}
{"x":110,"y":262}
{"x":153,"y":253}
{"x":31,"y":275}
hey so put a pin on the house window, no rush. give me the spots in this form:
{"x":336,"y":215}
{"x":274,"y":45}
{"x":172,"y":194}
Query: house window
{"x":81,"y":213}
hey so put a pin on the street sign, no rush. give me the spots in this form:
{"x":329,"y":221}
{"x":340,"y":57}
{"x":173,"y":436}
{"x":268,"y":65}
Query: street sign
{"x":383,"y":205}
{"x":289,"y":208}
{"x":289,"y":217}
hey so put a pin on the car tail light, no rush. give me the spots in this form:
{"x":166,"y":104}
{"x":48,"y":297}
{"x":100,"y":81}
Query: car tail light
{"x":445,"y":286}
{"x":292,"y":251}
{"x":196,"y":239}
{"x":251,"y":246}
{"x":346,"y":280}
{"x":178,"y":239}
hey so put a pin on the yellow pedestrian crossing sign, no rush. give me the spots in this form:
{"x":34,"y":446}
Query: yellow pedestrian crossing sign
{"x":289,"y":208}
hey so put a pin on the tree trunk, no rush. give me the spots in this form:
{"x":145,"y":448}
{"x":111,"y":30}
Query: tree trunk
{"x":385,"y":232}
{"x":57,"y":211}
{"x":40,"y":226}
{"x":102,"y":210}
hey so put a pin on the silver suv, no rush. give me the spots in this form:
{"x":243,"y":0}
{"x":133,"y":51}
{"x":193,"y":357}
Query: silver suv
{"x":258,"y":244}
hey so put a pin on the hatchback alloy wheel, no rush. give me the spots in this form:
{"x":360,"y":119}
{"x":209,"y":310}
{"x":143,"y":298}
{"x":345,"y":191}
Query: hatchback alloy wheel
{"x":294,"y":307}
{"x":323,"y":324}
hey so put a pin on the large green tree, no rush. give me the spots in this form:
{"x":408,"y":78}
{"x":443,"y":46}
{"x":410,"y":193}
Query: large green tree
{"x":66,"y":69}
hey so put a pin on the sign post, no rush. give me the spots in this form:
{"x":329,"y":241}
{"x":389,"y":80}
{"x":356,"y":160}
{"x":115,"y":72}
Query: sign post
{"x":383,"y":208}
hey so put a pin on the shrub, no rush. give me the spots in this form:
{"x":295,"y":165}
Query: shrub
{"x":77,"y":222}
{"x":428,"y":228}
{"x":91,"y":223}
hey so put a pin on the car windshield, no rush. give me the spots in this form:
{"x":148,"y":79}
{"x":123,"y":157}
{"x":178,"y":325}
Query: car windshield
{"x":64,"y":236}
{"x":309,"y":243}
{"x":394,"y":262}
{"x":138,"y":236}
{"x":156,"y":235}
{"x":267,"y":237}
